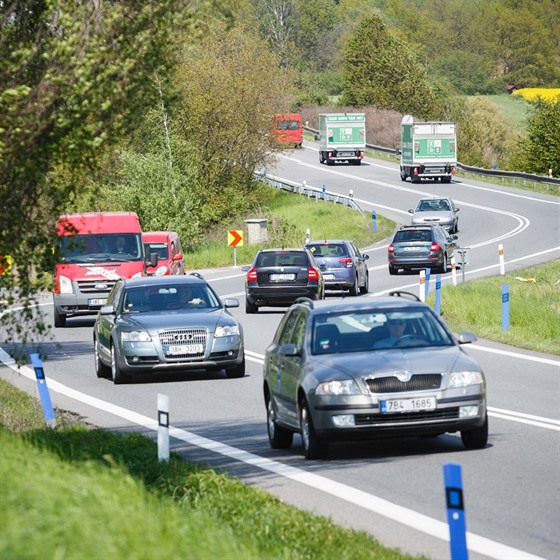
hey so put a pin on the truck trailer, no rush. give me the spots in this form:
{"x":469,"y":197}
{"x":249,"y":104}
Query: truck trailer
{"x":342,"y":137}
{"x":428,"y":150}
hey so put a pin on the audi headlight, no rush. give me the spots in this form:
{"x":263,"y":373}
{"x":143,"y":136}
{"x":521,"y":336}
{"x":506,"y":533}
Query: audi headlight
{"x":226,"y":330}
{"x":465,"y":378}
{"x":135,"y":336}
{"x":338,"y":387}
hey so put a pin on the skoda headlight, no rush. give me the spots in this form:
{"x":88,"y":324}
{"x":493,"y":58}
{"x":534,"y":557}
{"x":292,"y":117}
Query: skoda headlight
{"x":338,"y":387}
{"x":135,"y":336}
{"x":465,"y":378}
{"x":226,"y":330}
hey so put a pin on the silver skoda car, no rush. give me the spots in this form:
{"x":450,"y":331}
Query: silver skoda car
{"x":166,"y":324}
{"x":370,"y":368}
{"x":441,"y":211}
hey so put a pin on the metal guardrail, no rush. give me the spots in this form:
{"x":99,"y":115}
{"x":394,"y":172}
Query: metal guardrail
{"x":469,"y":168}
{"x":310,"y":192}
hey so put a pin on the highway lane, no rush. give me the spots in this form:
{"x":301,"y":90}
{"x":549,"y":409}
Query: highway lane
{"x":394,"y":489}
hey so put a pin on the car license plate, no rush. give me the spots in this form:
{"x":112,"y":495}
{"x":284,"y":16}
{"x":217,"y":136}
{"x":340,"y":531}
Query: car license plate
{"x":328,"y":276}
{"x":345,"y":154}
{"x":408,"y":405}
{"x":93,"y":302}
{"x":184,"y":349}
{"x":282,"y":276}
{"x":409,"y":249}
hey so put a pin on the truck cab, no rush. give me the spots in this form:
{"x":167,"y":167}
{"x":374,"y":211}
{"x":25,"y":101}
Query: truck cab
{"x":288,"y":129}
{"x":94,"y":251}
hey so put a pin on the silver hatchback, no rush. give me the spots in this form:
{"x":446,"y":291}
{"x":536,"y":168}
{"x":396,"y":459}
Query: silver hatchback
{"x":440,"y":211}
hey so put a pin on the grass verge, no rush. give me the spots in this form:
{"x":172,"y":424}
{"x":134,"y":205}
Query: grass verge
{"x":534,"y":307}
{"x":76,"y":492}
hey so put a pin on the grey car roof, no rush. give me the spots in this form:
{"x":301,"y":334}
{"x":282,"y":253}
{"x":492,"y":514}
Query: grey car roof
{"x":163,"y":281}
{"x":374,"y":304}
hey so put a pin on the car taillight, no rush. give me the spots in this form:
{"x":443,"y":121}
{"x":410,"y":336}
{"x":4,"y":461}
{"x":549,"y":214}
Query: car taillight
{"x":434,"y":248}
{"x":346,"y":261}
{"x":252,"y":275}
{"x":312,"y":273}
{"x":390,"y":249}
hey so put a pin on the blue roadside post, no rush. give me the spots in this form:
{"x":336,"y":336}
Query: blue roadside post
{"x":505,"y":307}
{"x":373,"y":221}
{"x":428,"y":272}
{"x":323,"y":191}
{"x":438,"y":294}
{"x":455,"y":511}
{"x":48,"y":411}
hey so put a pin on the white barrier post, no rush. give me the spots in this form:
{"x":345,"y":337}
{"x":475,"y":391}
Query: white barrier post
{"x":422,"y":286}
{"x":163,"y":427}
{"x":453,"y":271}
{"x":502,"y":264}
{"x":307,"y":236}
{"x":303,"y":185}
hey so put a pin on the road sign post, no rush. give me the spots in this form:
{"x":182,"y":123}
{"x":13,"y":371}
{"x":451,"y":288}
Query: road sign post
{"x":235,"y":239}
{"x":505,"y":307}
{"x":48,"y":411}
{"x":163,"y":427}
{"x":438,"y":294}
{"x":455,"y":511}
{"x":374,"y":221}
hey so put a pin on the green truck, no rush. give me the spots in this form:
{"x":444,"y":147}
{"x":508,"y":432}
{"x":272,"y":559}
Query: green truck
{"x":428,"y":150}
{"x":342,"y":137}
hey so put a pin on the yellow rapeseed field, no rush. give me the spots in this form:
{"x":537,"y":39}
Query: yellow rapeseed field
{"x":550,"y":95}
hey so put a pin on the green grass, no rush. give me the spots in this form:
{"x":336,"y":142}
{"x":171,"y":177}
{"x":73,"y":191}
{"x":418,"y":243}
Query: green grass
{"x":534,"y":303}
{"x":512,"y":107}
{"x":73,"y":493}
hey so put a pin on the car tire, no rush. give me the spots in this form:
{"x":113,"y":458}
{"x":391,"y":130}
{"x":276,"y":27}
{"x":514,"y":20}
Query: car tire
{"x":119,"y":377}
{"x":354,"y":288}
{"x":279,"y":438}
{"x":100,"y":368}
{"x":477,"y":438}
{"x":250,"y":308}
{"x":312,"y":447}
{"x":236,"y":371}
{"x":443,"y":268}
{"x":59,"y":319}
{"x":393,"y":271}
{"x":365,"y":288}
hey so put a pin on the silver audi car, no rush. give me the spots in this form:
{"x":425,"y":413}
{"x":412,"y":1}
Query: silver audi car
{"x":166,"y":324}
{"x":361,"y":369}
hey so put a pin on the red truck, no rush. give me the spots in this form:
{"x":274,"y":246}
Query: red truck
{"x":95,"y":250}
{"x":288,"y":129}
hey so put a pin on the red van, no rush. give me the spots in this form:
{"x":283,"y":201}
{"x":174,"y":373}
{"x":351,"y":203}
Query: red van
{"x":168,"y":248}
{"x":288,"y":129}
{"x":95,"y":249}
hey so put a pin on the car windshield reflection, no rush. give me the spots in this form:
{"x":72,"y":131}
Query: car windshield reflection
{"x":169,"y":298}
{"x":364,"y":332}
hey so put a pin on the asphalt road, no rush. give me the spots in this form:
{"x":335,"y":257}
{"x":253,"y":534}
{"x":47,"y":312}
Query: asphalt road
{"x":393,"y":489}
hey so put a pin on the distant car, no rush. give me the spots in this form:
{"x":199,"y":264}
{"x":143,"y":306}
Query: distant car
{"x":278,"y":277}
{"x":342,"y":265}
{"x":440,"y":211}
{"x":427,"y":246}
{"x":337,"y":372}
{"x":162,"y":324}
{"x":169,"y":250}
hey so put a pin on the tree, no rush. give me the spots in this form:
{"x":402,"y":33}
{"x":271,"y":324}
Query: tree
{"x":231,"y":87}
{"x":74,"y":76}
{"x":380,"y":70}
{"x":540,"y":151}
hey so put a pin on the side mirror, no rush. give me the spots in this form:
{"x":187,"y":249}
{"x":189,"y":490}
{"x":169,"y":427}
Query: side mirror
{"x":231,"y":302}
{"x":106,"y":310}
{"x":246,"y":268}
{"x":289,"y":349}
{"x":411,"y":211}
{"x":178,"y":257}
{"x":466,"y":337}
{"x":365,"y":256}
{"x":154,"y":259}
